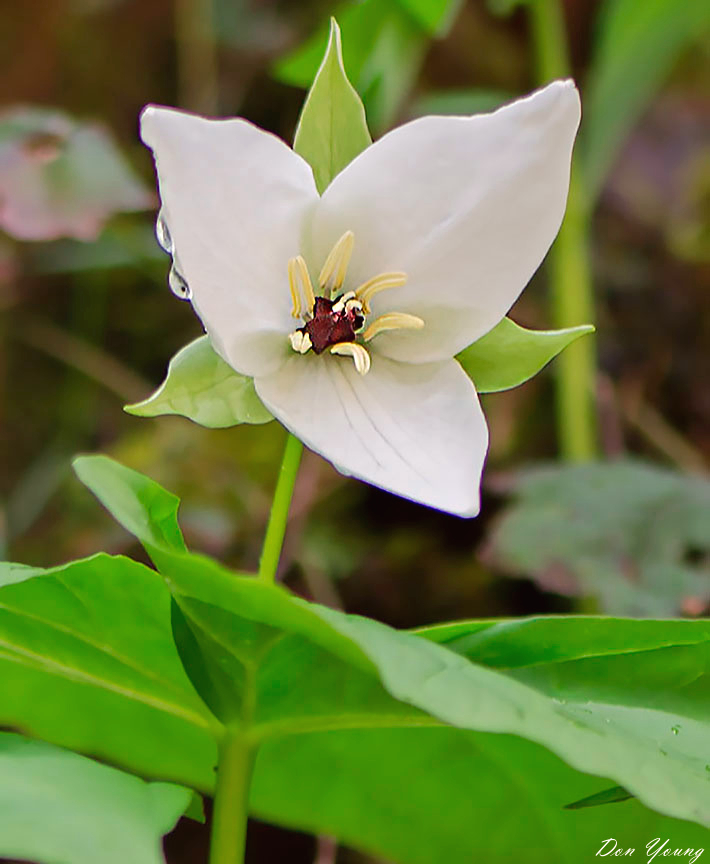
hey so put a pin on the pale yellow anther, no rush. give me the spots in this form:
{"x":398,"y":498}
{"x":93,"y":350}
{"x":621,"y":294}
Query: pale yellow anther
{"x":299,"y":283}
{"x":300,"y":342}
{"x":361,"y":358}
{"x":367,"y":290}
{"x":344,"y":302}
{"x":332,"y":275}
{"x":392,"y":321}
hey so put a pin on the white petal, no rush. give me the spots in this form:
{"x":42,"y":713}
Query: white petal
{"x":415,"y":430}
{"x":235,"y":199}
{"x":468,"y":207}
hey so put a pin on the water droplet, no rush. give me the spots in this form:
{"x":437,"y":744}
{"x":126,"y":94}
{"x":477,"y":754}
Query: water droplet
{"x":178,"y":284}
{"x":707,"y":768}
{"x":675,"y":729}
{"x":162,"y":232}
{"x":663,"y":752}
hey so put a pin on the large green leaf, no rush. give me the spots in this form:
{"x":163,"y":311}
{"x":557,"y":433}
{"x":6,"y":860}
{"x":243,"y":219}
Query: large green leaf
{"x":426,"y":796}
{"x":332,"y":129}
{"x":56,"y":806}
{"x":633,"y":536}
{"x":202,"y":387}
{"x":87,"y":662}
{"x":636,"y":46}
{"x":509,"y":354}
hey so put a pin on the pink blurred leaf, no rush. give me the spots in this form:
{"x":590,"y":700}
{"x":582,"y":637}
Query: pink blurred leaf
{"x":61,"y":178}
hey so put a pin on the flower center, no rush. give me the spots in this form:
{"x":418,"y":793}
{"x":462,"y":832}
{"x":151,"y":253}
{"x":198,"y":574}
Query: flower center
{"x":338,"y":324}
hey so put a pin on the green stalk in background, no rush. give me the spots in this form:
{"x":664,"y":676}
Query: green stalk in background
{"x":569,"y":269}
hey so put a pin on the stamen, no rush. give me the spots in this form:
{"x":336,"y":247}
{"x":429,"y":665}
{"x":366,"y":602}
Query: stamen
{"x":367,"y":290}
{"x":293,"y":287}
{"x":300,"y":341}
{"x":342,"y":303}
{"x":392,"y":321}
{"x":352,"y":305}
{"x":361,"y":358}
{"x":298,"y":273}
{"x":336,"y":265}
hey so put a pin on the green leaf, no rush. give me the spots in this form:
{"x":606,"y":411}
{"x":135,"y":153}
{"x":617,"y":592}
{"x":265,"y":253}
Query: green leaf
{"x":633,"y":536}
{"x":636,"y":47}
{"x":608,"y":796}
{"x":87,"y":662}
{"x":332,"y":129}
{"x":215,"y":660}
{"x":195,"y":810}
{"x":202,"y":387}
{"x":142,"y":506}
{"x":509,"y":354}
{"x":58,"y":806}
{"x":427,"y":796}
{"x":435,"y":16}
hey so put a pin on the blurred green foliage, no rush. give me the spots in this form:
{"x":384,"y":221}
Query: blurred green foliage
{"x":632,"y":536}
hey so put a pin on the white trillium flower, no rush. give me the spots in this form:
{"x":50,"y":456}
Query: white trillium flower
{"x":347,"y":309}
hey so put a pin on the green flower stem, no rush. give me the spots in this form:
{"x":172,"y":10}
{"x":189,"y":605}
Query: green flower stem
{"x":276,"y":529}
{"x":569,"y":266}
{"x":231,"y":800}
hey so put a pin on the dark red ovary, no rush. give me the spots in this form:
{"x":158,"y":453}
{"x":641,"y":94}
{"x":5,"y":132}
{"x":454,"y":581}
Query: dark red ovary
{"x":328,"y":328}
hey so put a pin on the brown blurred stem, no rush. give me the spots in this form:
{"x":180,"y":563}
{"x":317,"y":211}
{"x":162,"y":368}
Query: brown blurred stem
{"x":84,"y":357}
{"x":196,"y":47}
{"x":658,"y":432}
{"x":568,"y":264}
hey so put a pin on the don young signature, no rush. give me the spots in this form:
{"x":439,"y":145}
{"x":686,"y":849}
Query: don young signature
{"x":653,"y":848}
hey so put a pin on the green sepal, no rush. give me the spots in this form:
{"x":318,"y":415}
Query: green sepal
{"x":332,"y":129}
{"x":510,"y":354}
{"x":202,"y":387}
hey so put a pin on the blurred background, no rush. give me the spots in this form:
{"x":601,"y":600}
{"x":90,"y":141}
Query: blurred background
{"x":89,"y":324}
